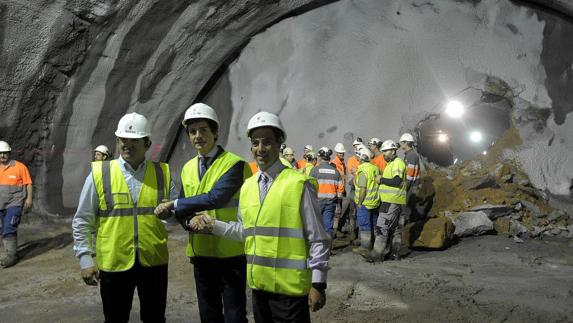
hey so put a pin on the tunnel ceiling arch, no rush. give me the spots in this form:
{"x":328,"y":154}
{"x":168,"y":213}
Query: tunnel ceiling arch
{"x":62,"y":59}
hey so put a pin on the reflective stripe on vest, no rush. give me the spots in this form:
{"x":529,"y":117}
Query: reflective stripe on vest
{"x":371,"y":201}
{"x":207,"y":245}
{"x":124,"y":230}
{"x":389,"y":194}
{"x":277,"y":251}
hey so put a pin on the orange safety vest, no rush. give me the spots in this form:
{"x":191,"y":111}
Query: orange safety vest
{"x":380,"y":162}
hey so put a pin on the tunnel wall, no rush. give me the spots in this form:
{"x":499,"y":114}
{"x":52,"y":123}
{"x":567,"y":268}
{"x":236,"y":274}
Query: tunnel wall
{"x":70,"y":69}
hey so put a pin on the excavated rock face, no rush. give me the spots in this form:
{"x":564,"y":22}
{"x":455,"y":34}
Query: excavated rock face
{"x":71,"y":69}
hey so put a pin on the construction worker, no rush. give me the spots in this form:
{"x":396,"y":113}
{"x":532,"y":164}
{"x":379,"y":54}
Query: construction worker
{"x":101,"y":153}
{"x":412,"y":161}
{"x":330,"y":188}
{"x":351,"y":166}
{"x":279,"y":219}
{"x":338,"y":162}
{"x":374,"y":144}
{"x":15,"y":195}
{"x":288,"y":158}
{"x":392,"y":192}
{"x":302,"y":162}
{"x":366,"y":199}
{"x":311,"y":162}
{"x":130,"y":247}
{"x":211,"y":181}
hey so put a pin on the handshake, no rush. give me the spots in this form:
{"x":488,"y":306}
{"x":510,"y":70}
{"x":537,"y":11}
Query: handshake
{"x":200,"y":223}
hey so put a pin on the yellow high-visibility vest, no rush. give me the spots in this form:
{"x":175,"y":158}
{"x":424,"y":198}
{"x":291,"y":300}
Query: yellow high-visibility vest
{"x":124,"y":230}
{"x":389,"y":194}
{"x":277,"y":251}
{"x":371,"y":201}
{"x":207,"y":245}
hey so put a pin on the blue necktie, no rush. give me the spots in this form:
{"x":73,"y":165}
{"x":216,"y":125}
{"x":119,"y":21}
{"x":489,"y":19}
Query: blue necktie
{"x":263,"y":186}
{"x":202,"y":166}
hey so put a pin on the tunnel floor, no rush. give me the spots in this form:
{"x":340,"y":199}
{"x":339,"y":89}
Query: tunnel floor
{"x":481,"y":279}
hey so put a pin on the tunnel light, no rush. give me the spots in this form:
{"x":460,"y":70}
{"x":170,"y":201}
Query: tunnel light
{"x":442,"y":137}
{"x":454,"y":109}
{"x":484,"y":152}
{"x":476,"y":136}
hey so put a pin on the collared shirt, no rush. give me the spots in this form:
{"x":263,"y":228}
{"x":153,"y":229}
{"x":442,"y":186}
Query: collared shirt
{"x":14,"y":178}
{"x":318,"y":239}
{"x":83,"y":224}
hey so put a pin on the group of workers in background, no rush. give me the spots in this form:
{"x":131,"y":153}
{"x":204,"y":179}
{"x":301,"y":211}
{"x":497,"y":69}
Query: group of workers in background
{"x":374,"y":191}
{"x":268,"y":224}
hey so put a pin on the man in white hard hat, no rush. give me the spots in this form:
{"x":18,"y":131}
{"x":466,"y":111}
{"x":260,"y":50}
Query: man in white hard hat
{"x":330,"y":188}
{"x":211,"y":182}
{"x":299,"y":164}
{"x":288,"y":158}
{"x":366,"y":199}
{"x":412,"y":161}
{"x":392,"y":191}
{"x":351,"y":167}
{"x":15,"y":195}
{"x":130,"y":247}
{"x":374,"y":144}
{"x":286,"y":246}
{"x":101,"y":153}
{"x":338,"y":162}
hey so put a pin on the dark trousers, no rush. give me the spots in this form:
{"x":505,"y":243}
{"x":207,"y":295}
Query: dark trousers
{"x":270,"y":307}
{"x":220,"y":285}
{"x":117,"y":293}
{"x":10,"y":218}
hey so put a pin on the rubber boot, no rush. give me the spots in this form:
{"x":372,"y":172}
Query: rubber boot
{"x":377,"y":253}
{"x":11,"y":246}
{"x":335,"y":233}
{"x":396,"y":251}
{"x":2,"y":251}
{"x":352,"y":229}
{"x":365,"y":244}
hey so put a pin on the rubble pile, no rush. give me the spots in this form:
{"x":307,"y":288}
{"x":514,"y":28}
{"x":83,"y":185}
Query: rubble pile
{"x":485,"y":195}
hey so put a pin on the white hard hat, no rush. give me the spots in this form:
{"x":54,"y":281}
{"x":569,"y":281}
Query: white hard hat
{"x":288,"y":151}
{"x":388,"y":145}
{"x":133,"y":125}
{"x":339,"y":148}
{"x":325,"y":152}
{"x":308,"y":147}
{"x":200,"y":111}
{"x":357,"y":142}
{"x":265,"y":119}
{"x":364,"y":153}
{"x":102,"y":149}
{"x":4,"y":147}
{"x":375,"y":141}
{"x":407,"y":137}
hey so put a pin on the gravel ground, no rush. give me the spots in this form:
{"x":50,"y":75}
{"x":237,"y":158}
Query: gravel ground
{"x":481,"y":279}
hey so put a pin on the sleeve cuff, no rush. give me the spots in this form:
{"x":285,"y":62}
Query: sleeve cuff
{"x":219,"y":228}
{"x":86,"y":261}
{"x":319,"y":276}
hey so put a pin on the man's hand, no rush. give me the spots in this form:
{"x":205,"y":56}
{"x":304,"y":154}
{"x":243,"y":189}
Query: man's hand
{"x":316,"y":299}
{"x":163,"y":210}
{"x":201,"y":223}
{"x":28,"y":204}
{"x":378,"y":178}
{"x":90,"y":275}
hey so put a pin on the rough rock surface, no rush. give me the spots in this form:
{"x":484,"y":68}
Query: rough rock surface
{"x":472,"y":224}
{"x":71,"y":68}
